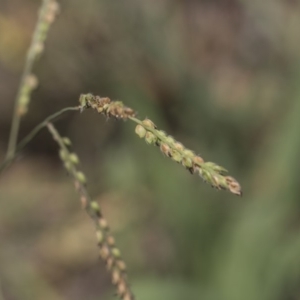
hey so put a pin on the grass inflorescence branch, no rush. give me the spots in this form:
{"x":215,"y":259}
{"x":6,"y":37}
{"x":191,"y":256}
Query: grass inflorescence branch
{"x":108,"y":250}
{"x":47,"y":14}
{"x":32,"y":134}
{"x":210,"y":172}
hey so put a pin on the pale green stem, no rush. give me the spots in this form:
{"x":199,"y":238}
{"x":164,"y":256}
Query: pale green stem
{"x":112,"y":258}
{"x":30,"y":58}
{"x":32,"y":134}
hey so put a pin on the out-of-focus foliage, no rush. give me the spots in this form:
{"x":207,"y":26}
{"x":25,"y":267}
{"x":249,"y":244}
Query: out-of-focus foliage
{"x":223,"y":77}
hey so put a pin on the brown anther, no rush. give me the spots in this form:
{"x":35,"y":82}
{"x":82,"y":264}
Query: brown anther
{"x":149,"y":123}
{"x":128,"y":296}
{"x":77,"y":185}
{"x":110,"y":241}
{"x":32,"y":81}
{"x":121,"y":287}
{"x":198,"y":160}
{"x":93,"y":105}
{"x":116,"y":276}
{"x":165,"y":149}
{"x":83,"y":200}
{"x":102,"y":101}
{"x":38,"y":48}
{"x":103,"y":223}
{"x":50,"y":17}
{"x":233,"y":186}
{"x":53,"y":7}
{"x":121,"y":265}
{"x":104,"y":252}
{"x":128,"y":112}
{"x":178,"y":146}
{"x":110,"y":263}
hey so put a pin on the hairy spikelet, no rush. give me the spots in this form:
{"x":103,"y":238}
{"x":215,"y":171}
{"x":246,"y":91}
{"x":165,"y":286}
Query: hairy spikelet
{"x":105,"y":106}
{"x":48,"y":12}
{"x":210,"y":172}
{"x":108,"y":250}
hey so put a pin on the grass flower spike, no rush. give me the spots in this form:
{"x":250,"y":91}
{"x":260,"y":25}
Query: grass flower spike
{"x":105,"y":106}
{"x":108,"y":250}
{"x":29,"y":82}
{"x":210,"y":172}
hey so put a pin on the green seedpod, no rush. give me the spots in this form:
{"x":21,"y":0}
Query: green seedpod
{"x":24,"y":99}
{"x":68,"y":166}
{"x":64,"y":155}
{"x":67,"y":141}
{"x":148,"y":123}
{"x":80,"y":177}
{"x":105,"y":107}
{"x":207,"y":176}
{"x":216,"y":168}
{"x":176,"y":156}
{"x":116,"y":252}
{"x":150,"y":138}
{"x":199,"y":170}
{"x":170,"y":140}
{"x":83,"y":101}
{"x":179,"y":146}
{"x":74,"y":158}
{"x":188,"y":153}
{"x":95,"y":207}
{"x":100,"y":236}
{"x":223,"y":182}
{"x":187,"y":162}
{"x":161,"y":133}
{"x":215,"y":178}
{"x":210,"y":164}
{"x":140,"y":131}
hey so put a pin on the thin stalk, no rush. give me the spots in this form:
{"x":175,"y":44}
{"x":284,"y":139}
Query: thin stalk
{"x":31,"y":135}
{"x":210,"y":172}
{"x":108,"y":250}
{"x":27,"y":85}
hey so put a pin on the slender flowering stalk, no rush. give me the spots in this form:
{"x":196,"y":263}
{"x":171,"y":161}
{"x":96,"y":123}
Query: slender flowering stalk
{"x":48,"y":11}
{"x":108,"y":250}
{"x":32,"y":134}
{"x":105,"y":106}
{"x":210,"y":172}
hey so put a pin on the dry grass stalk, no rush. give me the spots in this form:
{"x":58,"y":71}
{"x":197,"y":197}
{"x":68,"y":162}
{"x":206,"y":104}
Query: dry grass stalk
{"x":47,"y":14}
{"x":108,"y":250}
{"x":210,"y":172}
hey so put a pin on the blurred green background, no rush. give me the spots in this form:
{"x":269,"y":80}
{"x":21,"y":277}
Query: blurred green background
{"x":222,"y":77}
